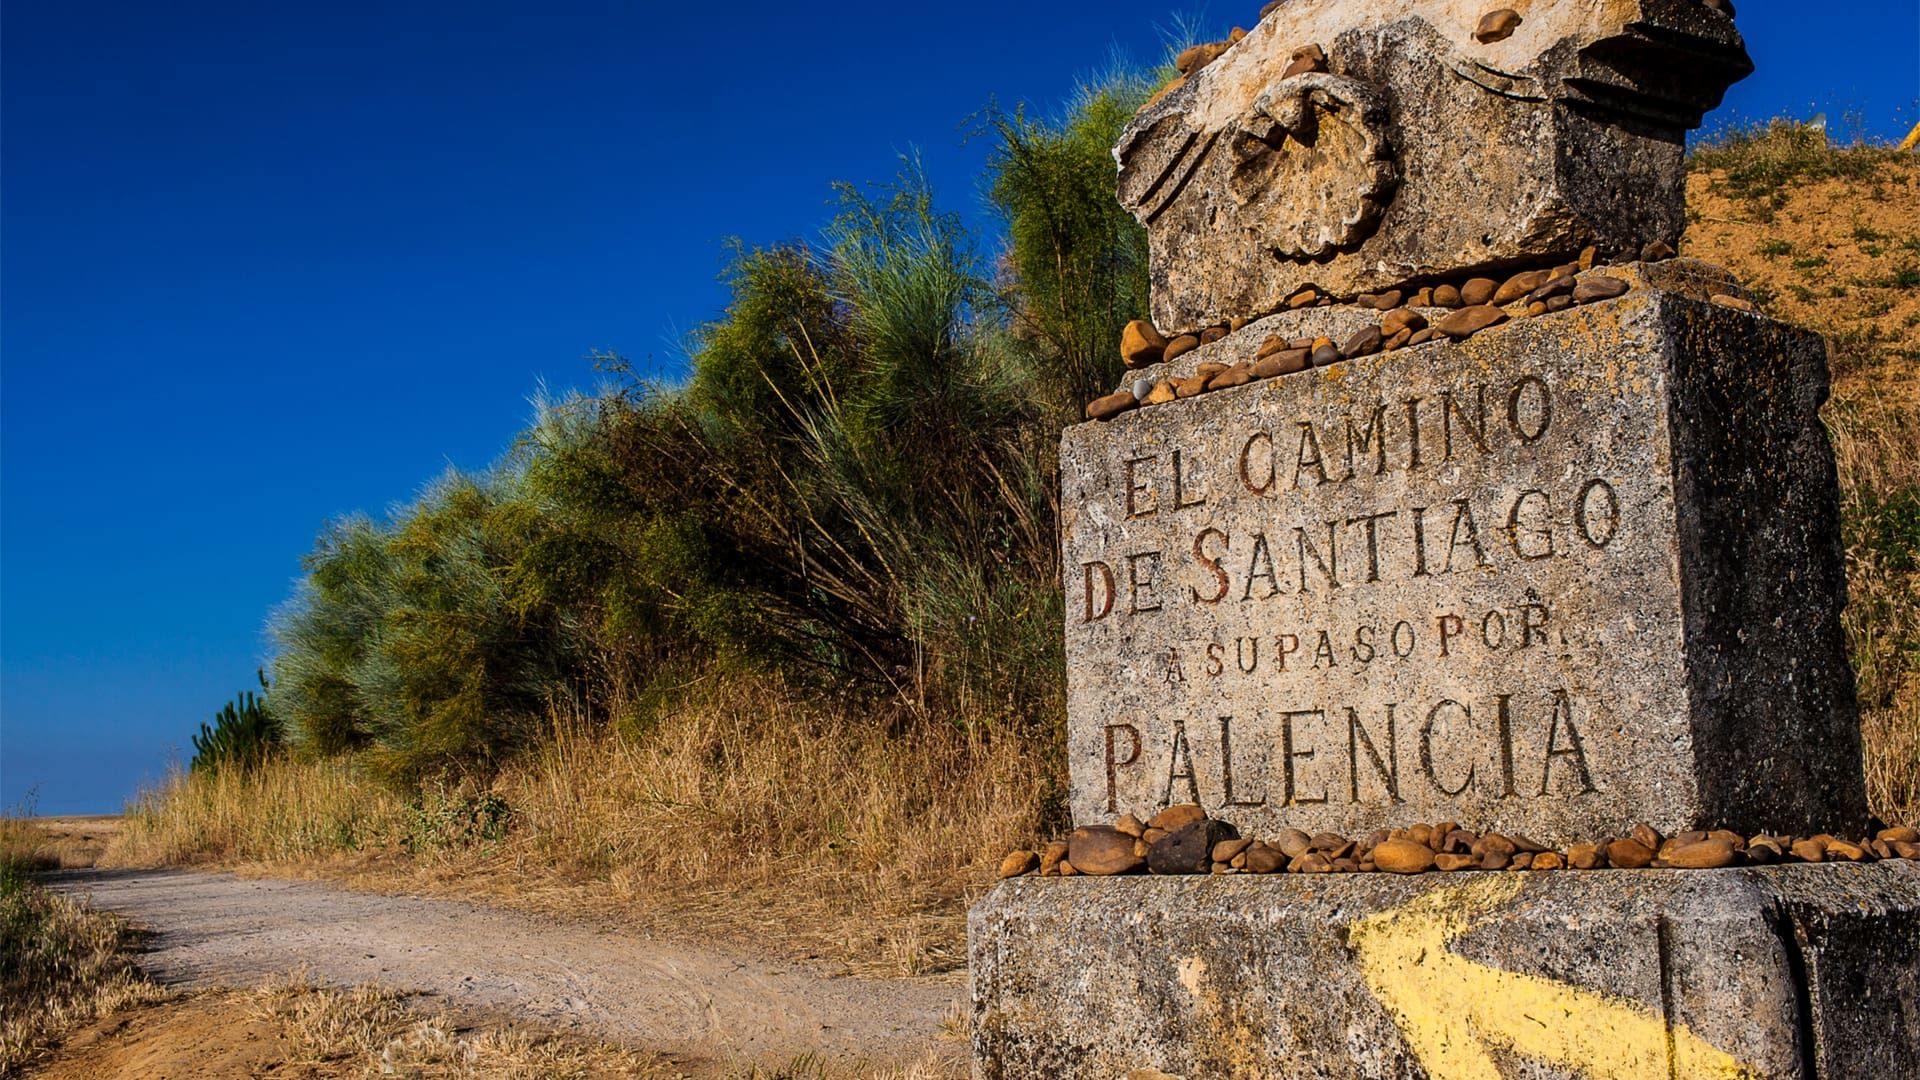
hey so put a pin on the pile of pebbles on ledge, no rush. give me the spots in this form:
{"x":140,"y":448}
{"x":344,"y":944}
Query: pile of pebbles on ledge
{"x":1472,"y":306}
{"x":1184,"y":840}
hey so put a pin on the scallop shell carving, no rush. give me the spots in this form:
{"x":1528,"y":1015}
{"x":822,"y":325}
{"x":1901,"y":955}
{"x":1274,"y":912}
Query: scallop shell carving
{"x":1312,"y":165}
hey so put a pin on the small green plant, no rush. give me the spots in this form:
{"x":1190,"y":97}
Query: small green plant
{"x":1868,"y":235}
{"x":1773,"y":249}
{"x":242,"y":735}
{"x":442,"y":821}
{"x":1811,"y":262}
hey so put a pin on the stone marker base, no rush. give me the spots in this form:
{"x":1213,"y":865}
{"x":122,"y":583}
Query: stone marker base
{"x":1800,"y":971}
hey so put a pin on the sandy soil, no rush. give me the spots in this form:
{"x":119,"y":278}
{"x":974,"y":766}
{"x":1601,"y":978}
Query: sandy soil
{"x":696,"y":1004}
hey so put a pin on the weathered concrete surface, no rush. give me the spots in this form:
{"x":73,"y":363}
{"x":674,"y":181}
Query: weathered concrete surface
{"x":1420,"y":151}
{"x":1803,"y":972}
{"x":1575,"y":572}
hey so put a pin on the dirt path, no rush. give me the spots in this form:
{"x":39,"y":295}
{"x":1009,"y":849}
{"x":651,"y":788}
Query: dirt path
{"x":684,"y":1000}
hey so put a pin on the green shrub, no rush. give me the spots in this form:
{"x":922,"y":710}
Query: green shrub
{"x":242,"y":735}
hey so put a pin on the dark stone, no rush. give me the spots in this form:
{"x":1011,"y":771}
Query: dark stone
{"x":1188,"y":849}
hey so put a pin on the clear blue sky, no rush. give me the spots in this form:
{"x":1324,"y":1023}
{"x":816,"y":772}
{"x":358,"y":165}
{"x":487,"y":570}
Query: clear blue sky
{"x":261,"y":264}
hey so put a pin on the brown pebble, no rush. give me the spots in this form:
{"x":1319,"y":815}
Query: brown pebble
{"x":1293,"y":843}
{"x":1519,"y":285}
{"x":1237,"y":375}
{"x":1598,"y":287}
{"x":1497,"y":25}
{"x":1397,"y":341}
{"x":1050,"y":857}
{"x":1447,"y":296}
{"x":1385,"y":301}
{"x":1101,"y":850}
{"x":1212,"y":334}
{"x":1469,"y":321}
{"x":1587,"y":256}
{"x":1226,"y":850}
{"x":1452,"y":862}
{"x":1809,"y":851}
{"x":1303,"y":298}
{"x":1019,"y":862}
{"x":1178,"y":816}
{"x":1180,"y":346}
{"x":1495,"y":860}
{"x":1237,"y":324}
{"x":1648,"y":837}
{"x":1325,"y":355}
{"x":1584,"y":856}
{"x":1363,"y":342}
{"x":1547,"y":860}
{"x":1273,"y":344}
{"x":1264,"y":859}
{"x":1141,"y":345}
{"x":1421,"y":337}
{"x":1726,"y":300}
{"x":1192,"y":386}
{"x":1656,"y":251}
{"x":1402,"y":319}
{"x":1763,"y":852}
{"x":1141,"y":848}
{"x":1899,"y":834}
{"x":1536,"y":309}
{"x":1403,"y":857}
{"x":1310,"y":863}
{"x":1161,"y":393}
{"x":1478,"y":291}
{"x":1066,"y":869}
{"x":1196,"y":57}
{"x":1557,"y":285}
{"x":1238,"y":862}
{"x":1284,"y":362}
{"x":1702,"y":855}
{"x":1906,"y":849}
{"x":1106,"y":408}
{"x":1845,"y":851}
{"x":1522,"y":861}
{"x":1629,"y":854}
{"x":1422,"y":297}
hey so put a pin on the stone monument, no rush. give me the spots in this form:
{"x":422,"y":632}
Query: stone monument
{"x":1548,"y":544}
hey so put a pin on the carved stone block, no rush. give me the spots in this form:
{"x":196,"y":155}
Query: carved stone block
{"x":1576,"y":572}
{"x":1422,"y":151}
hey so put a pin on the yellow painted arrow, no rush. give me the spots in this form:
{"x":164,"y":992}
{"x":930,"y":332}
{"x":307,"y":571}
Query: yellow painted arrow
{"x":1451,"y":1009}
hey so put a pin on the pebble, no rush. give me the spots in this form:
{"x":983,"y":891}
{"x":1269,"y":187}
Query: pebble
{"x":1292,"y":842}
{"x":1141,"y":388}
{"x":1188,"y":849}
{"x":1497,"y":25}
{"x":1152,"y":835}
{"x":1227,"y":850}
{"x":1237,"y":324}
{"x":1131,"y":825}
{"x":1177,"y":817}
{"x":1284,"y":362}
{"x":1734,"y":302}
{"x":1325,"y":355}
{"x":1520,"y":285}
{"x":1547,"y":860}
{"x":1176,"y":83}
{"x":1558,"y":285}
{"x":1446,"y":296}
{"x":1702,"y":855}
{"x":1766,"y":851}
{"x":1478,"y":291}
{"x":1469,"y":321}
{"x":1181,"y":346}
{"x":1101,"y":850}
{"x":1559,"y":303}
{"x":1112,"y":405}
{"x":1588,"y":255}
{"x":1845,"y":851}
{"x":1422,"y":298}
{"x":1264,"y":859}
{"x":1494,"y":860}
{"x":1209,"y":369}
{"x":1237,"y":375}
{"x":1397,"y":341}
{"x":1421,"y":337}
{"x":1452,"y":862}
{"x":1161,"y":393}
{"x":1273,"y":344}
{"x":1402,"y":319}
{"x":1536,"y":309}
{"x":1906,"y":849}
{"x":1809,"y":851}
{"x":1900,"y":834}
{"x":1583,"y":856}
{"x":1141,"y":344}
{"x":1363,"y":342}
{"x":1192,"y":386}
{"x":1019,"y":862}
{"x":1656,"y":251}
{"x":1303,"y":298}
{"x":1597,"y":287}
{"x":1212,"y":334}
{"x":1646,"y":835}
{"x":1385,"y":301}
{"x":1303,"y":60}
{"x":1403,"y":857}
{"x":1629,"y":854}
{"x":1066,"y":869}
{"x":1051,"y":856}
{"x":1195,"y":57}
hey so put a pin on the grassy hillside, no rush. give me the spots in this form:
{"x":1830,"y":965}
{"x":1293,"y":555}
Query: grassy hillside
{"x":777,"y":653}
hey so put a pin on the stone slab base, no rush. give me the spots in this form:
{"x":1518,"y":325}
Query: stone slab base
{"x":1800,"y":971}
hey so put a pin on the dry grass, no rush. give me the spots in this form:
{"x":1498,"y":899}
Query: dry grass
{"x":62,"y":964}
{"x":372,"y":1031}
{"x":751,"y":812}
{"x":1830,"y":238}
